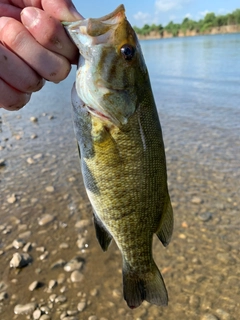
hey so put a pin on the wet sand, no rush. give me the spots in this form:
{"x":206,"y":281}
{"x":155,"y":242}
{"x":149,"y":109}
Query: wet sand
{"x":44,"y":212}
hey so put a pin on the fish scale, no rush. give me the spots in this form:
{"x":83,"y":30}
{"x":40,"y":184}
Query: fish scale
{"x":122,"y":150}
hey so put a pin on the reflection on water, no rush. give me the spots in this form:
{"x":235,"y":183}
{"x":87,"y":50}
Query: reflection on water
{"x":196,"y":86}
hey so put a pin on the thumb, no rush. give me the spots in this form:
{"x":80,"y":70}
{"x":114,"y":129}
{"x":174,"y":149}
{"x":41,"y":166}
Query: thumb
{"x":62,"y":10}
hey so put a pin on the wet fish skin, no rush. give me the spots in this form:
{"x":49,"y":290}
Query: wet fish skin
{"x":122,"y":151}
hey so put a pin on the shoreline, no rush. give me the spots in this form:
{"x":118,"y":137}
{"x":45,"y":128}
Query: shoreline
{"x":216,"y":30}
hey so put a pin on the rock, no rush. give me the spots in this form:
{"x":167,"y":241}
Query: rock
{"x":27,"y":247}
{"x":196,"y":200}
{"x":82,"y":224}
{"x":74,"y":264}
{"x":3,"y":296}
{"x":52,"y":284}
{"x":30,"y":160}
{"x":49,"y":189}
{"x":63,"y":246}
{"x":20,"y":260}
{"x":18,"y":243}
{"x":12,"y":199}
{"x":206,"y":216}
{"x":34,"y":136}
{"x":34,"y":285}
{"x":76,"y":276}
{"x":34,"y":119}
{"x":82,"y":243}
{"x":45,"y":317}
{"x":45,"y":219}
{"x":81,"y":306}
{"x":209,"y":316}
{"x":25,"y":235}
{"x":223,"y":314}
{"x":2,"y":162}
{"x":25,"y":308}
{"x":60,"y":299}
{"x":58,"y":264}
{"x":38,"y":156}
{"x":226,"y":258}
{"x":37,"y":314}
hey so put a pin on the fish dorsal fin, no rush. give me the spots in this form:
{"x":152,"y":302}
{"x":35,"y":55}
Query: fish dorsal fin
{"x":165,"y":229}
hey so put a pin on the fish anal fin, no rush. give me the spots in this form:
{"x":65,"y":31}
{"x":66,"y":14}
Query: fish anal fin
{"x":138,"y":287}
{"x":102,"y":234}
{"x":165,"y":229}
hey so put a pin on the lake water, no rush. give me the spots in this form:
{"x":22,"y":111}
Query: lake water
{"x":196,"y":84}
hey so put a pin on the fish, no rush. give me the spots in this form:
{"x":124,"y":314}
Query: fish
{"x":121,"y":148}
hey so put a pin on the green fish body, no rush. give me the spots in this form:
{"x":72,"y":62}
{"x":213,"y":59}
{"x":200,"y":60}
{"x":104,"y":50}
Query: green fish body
{"x":122,"y":151}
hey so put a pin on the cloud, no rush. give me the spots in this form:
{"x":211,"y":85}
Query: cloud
{"x":141,"y":16}
{"x":203,"y":13}
{"x":167,"y":5}
{"x":188,"y":15}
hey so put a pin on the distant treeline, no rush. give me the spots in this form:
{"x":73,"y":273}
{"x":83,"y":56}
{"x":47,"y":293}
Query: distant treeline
{"x":210,"y":21}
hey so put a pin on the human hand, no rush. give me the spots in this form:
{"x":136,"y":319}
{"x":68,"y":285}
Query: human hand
{"x":33,"y":47}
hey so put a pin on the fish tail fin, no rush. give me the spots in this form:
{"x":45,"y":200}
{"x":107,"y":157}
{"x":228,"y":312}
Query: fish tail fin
{"x":138,"y":287}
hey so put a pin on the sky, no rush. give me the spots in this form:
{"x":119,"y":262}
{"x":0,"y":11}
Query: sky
{"x":140,"y":12}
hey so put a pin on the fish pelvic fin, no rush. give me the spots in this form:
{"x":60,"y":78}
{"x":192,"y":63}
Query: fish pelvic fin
{"x":102,"y":234}
{"x":138,"y":287}
{"x":165,"y":229}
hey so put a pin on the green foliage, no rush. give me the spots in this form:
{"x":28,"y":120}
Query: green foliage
{"x":203,"y":25}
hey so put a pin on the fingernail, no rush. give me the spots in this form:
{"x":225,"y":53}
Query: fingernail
{"x":29,"y":17}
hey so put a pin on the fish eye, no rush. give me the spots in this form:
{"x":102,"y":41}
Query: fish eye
{"x":127,"y":51}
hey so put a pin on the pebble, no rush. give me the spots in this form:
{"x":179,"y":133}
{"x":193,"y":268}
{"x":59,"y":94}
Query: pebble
{"x":52,"y":284}
{"x":37,"y":314}
{"x":30,"y":160}
{"x":25,"y":308}
{"x":82,"y":224}
{"x":58,"y":264}
{"x":33,"y":285}
{"x":206,"y":216}
{"x":81,"y":306}
{"x":74,"y":264}
{"x":3,"y":296}
{"x":45,"y":317}
{"x":209,"y":316}
{"x":63,"y":246}
{"x":20,"y":260}
{"x":60,"y":299}
{"x":196,"y":200}
{"x":225,"y":258}
{"x":49,"y":189}
{"x":76,"y":276}
{"x":34,"y":136}
{"x":34,"y":119}
{"x":92,"y":318}
{"x":2,"y":162}
{"x":82,"y":243}
{"x":18,"y":243}
{"x":12,"y":199}
{"x":25,"y":235}
{"x":223,"y":314}
{"x":45,"y":219}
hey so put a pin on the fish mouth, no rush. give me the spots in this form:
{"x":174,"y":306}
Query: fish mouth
{"x":94,"y":31}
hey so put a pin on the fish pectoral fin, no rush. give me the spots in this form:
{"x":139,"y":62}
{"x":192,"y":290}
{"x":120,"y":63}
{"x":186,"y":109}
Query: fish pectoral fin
{"x":138,"y":287}
{"x":165,"y":229}
{"x":102,"y":234}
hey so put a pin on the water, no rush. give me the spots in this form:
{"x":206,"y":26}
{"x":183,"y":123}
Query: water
{"x":196,"y":86}
{"x":197,"y":78}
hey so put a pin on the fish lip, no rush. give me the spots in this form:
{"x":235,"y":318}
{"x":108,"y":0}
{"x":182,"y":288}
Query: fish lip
{"x":83,"y":27}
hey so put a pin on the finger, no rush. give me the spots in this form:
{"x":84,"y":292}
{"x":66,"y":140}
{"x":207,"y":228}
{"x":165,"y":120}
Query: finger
{"x":49,"y":65}
{"x":7,"y":10}
{"x":12,"y":99}
{"x":49,"y":32}
{"x":62,"y":10}
{"x":17,"y":73}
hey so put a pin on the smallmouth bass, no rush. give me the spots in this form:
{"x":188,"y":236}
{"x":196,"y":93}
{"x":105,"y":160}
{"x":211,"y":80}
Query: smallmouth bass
{"x":122,"y":151}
